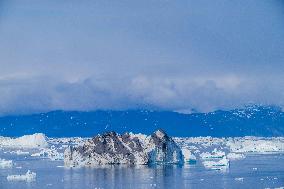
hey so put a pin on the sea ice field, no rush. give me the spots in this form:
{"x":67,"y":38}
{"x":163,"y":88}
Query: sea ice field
{"x":36,"y":161}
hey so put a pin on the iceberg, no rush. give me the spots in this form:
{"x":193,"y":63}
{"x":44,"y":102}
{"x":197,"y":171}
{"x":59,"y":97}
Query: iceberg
{"x":28,"y":177}
{"x":109,"y":148}
{"x":37,"y":140}
{"x":222,"y":164}
{"x":256,"y":145}
{"x":214,"y":155}
{"x":239,"y":179}
{"x":51,"y":153}
{"x":6,"y":163}
{"x":235,"y":156}
{"x":19,"y":152}
{"x":112,"y":148}
{"x":162,"y":149}
{"x":188,"y":157}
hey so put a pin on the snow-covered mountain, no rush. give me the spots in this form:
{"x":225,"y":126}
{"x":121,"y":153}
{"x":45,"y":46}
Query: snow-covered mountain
{"x":252,"y":120}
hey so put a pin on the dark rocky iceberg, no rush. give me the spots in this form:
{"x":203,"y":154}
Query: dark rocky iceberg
{"x":112,"y":148}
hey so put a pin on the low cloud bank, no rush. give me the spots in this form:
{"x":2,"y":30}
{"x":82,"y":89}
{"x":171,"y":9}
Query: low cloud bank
{"x":182,"y":94}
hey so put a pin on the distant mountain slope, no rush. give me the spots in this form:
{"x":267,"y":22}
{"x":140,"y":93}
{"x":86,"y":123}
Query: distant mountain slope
{"x":253,"y":120}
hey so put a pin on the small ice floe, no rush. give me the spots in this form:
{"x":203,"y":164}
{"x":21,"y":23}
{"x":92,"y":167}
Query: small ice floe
{"x":215,"y":154}
{"x":28,"y":177}
{"x":239,"y":179}
{"x":235,"y":156}
{"x":5,"y":163}
{"x":188,"y":156}
{"x":255,"y":168}
{"x":222,"y":164}
{"x":153,"y":185}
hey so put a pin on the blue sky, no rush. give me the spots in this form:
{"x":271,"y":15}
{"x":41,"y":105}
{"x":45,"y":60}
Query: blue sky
{"x":156,"y":54}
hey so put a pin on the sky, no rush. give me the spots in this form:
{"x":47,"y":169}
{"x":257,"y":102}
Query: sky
{"x":181,"y":56}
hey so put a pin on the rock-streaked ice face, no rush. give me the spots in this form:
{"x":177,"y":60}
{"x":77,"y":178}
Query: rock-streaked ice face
{"x":163,"y":149}
{"x":112,"y":148}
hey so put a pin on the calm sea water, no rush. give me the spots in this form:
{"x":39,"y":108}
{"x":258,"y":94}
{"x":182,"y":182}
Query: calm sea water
{"x":269,"y":174}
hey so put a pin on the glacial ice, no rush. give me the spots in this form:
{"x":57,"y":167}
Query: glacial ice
{"x":37,"y":140}
{"x":257,"y":145}
{"x":20,"y":152}
{"x":239,"y":179}
{"x":213,"y":153}
{"x":28,"y":177}
{"x":51,"y":153}
{"x":235,"y":156}
{"x":5,"y":163}
{"x":188,"y":156}
{"x":162,"y":149}
{"x":112,"y":148}
{"x":221,"y":164}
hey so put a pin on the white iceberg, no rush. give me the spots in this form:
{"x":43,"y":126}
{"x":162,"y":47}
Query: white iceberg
{"x":256,"y":145}
{"x":6,"y":163}
{"x":215,"y":154}
{"x":222,"y":164}
{"x":50,"y":153}
{"x":235,"y":156}
{"x":188,"y":156}
{"x":239,"y":179}
{"x":37,"y":140}
{"x":28,"y":177}
{"x":20,"y":152}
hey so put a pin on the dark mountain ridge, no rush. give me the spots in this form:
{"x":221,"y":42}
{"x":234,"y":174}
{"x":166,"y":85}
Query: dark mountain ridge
{"x":266,"y":121}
